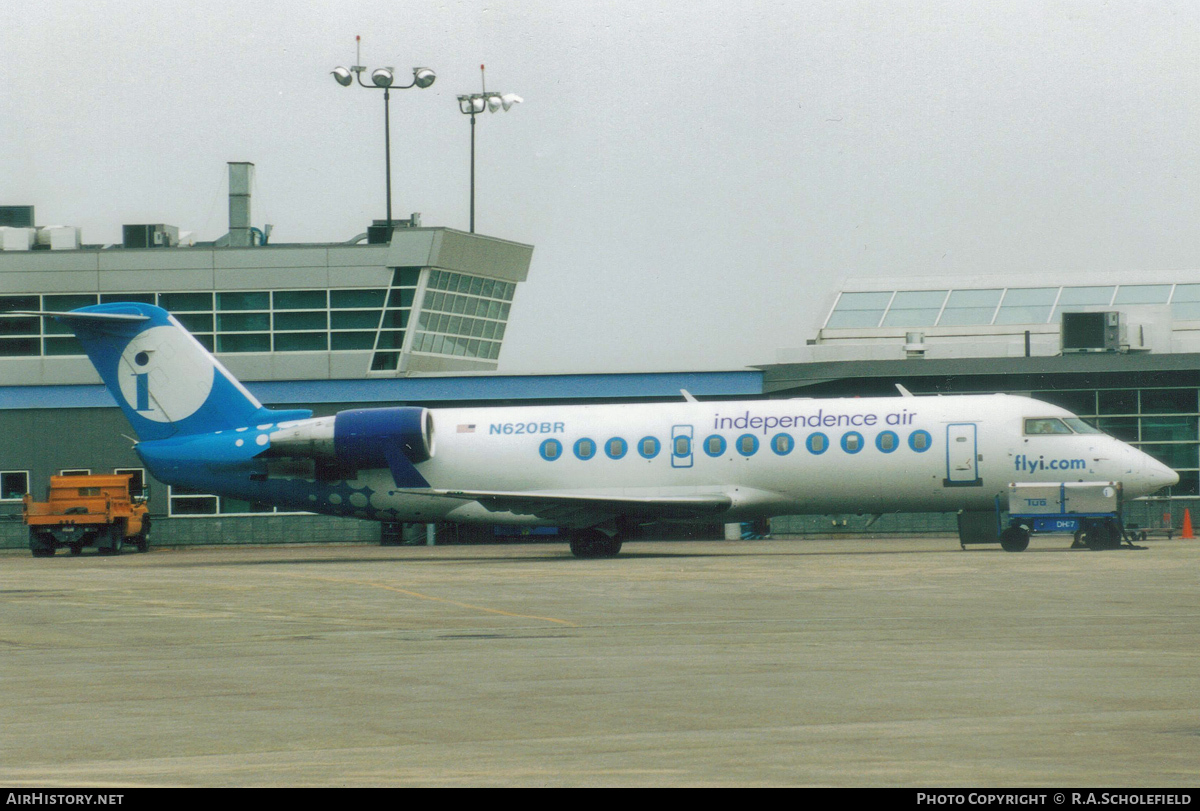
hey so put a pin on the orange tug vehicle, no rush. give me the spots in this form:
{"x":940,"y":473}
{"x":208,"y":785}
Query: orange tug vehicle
{"x":84,"y":511}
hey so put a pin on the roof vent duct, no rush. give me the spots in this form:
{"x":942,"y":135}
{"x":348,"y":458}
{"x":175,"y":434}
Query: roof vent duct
{"x":241,"y":178}
{"x":914,"y":344}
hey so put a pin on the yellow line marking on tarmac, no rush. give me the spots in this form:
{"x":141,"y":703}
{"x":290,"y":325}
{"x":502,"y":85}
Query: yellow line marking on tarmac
{"x":429,"y":597}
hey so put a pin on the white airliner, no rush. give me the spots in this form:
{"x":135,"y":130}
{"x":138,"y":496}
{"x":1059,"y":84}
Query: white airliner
{"x":596,"y":470}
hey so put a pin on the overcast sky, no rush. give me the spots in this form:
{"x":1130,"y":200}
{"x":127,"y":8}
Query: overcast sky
{"x":697,"y":177}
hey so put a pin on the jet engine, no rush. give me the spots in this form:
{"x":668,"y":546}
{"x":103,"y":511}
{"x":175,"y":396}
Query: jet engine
{"x":359,"y":438}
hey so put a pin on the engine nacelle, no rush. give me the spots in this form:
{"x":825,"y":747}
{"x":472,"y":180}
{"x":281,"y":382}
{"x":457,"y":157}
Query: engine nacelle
{"x":364,"y":436}
{"x":360,"y":438}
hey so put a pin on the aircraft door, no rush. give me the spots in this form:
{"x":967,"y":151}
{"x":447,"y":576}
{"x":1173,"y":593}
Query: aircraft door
{"x":681,"y":446}
{"x":962,"y":454}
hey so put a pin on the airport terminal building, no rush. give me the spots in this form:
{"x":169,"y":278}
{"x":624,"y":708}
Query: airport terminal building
{"x":418,"y":315}
{"x":1121,"y":350}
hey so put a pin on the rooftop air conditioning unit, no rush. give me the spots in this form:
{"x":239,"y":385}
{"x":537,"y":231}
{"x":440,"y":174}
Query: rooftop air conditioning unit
{"x":16,"y":216}
{"x":17,"y":239}
{"x":59,"y":237}
{"x":150,"y":236}
{"x":1091,"y":332}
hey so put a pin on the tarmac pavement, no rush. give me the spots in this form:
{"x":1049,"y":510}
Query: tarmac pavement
{"x":727,"y":663}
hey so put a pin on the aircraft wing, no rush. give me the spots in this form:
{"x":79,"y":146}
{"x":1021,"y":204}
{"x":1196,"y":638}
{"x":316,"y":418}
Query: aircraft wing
{"x":584,"y":509}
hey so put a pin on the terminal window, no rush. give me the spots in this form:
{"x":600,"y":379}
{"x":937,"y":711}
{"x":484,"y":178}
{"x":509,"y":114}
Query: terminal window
{"x":184,"y":501}
{"x":915,"y":308}
{"x":994,"y":305}
{"x":463,"y":315}
{"x":13,"y":484}
{"x":229,"y":321}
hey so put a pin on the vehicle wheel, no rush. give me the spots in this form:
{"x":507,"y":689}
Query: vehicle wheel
{"x":1014,"y":539}
{"x":608,"y":546}
{"x":1095,"y":536}
{"x":41,"y":544}
{"x":76,"y":548}
{"x":116,"y":539}
{"x":583,"y":543}
{"x":592,"y":543}
{"x":1114,"y":534}
{"x":143,"y":538}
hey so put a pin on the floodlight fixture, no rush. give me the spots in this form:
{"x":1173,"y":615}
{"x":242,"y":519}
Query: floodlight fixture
{"x":474,"y":103}
{"x":469,"y":105}
{"x":423,"y":77}
{"x":383,"y":79}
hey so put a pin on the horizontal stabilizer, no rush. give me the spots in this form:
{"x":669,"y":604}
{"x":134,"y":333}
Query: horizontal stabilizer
{"x":95,"y":317}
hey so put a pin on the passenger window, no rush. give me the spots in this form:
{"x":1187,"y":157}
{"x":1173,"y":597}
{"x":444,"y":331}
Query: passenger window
{"x":683,"y":446}
{"x":886,"y":442}
{"x":817,"y":443}
{"x":615,"y":448}
{"x":919,"y":441}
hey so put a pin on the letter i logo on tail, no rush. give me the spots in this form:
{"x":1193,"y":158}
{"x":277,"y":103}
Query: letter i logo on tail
{"x":143,"y":382}
{"x":164,"y":380}
{"x":165,"y":375}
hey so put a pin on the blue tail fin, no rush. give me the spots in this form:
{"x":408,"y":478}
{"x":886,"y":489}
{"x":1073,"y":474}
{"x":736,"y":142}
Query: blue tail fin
{"x":164,"y":380}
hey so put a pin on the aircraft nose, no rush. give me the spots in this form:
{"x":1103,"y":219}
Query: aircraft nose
{"x":1152,"y":475}
{"x":1160,"y":475}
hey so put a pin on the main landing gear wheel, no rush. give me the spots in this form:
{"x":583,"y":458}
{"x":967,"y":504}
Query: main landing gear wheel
{"x":1014,"y":539}
{"x":592,"y":543}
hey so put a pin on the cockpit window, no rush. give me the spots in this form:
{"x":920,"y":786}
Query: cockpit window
{"x":1046,"y":425}
{"x":1080,"y":426}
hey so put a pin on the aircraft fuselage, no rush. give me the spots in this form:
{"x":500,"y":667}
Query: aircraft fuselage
{"x":770,"y":457}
